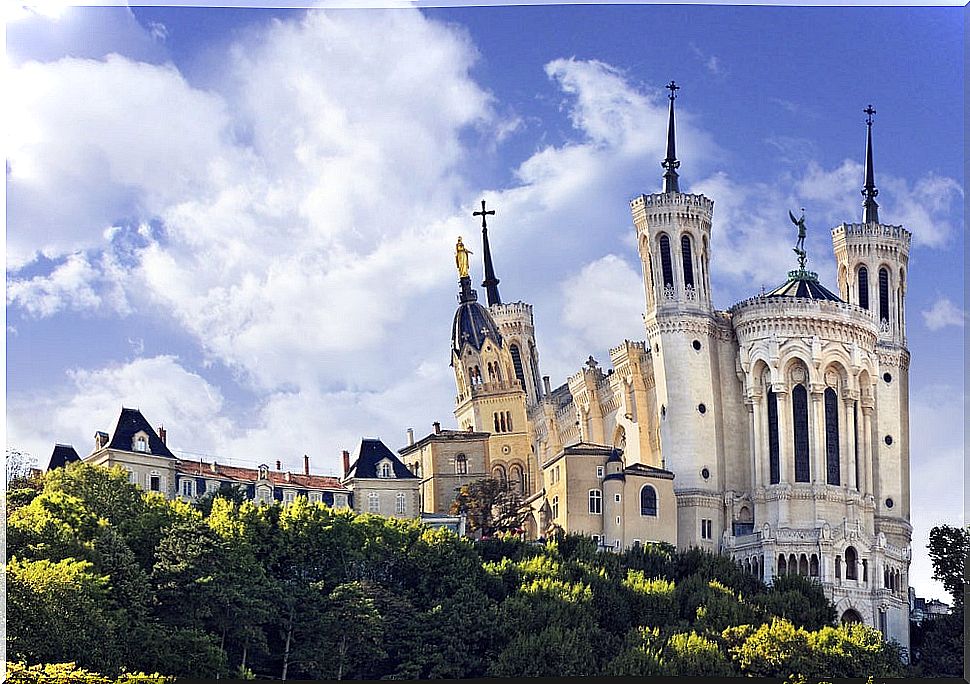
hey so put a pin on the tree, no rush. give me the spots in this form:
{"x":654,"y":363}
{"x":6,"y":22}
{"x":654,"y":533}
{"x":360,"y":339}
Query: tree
{"x":491,"y":507}
{"x":21,"y":469}
{"x":56,"y":612}
{"x":950,"y":552}
{"x":798,"y":599}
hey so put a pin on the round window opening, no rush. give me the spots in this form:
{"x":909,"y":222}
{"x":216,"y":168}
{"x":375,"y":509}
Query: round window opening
{"x":887,"y":377}
{"x":702,"y":408}
{"x":890,"y":503}
{"x":696,"y":344}
{"x":889,"y":440}
{"x":506,"y":449}
{"x":705,"y":473}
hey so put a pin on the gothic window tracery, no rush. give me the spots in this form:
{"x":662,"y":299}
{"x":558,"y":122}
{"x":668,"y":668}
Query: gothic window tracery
{"x":799,"y":405}
{"x":666,"y":264}
{"x":686,"y":255}
{"x":864,"y":287}
{"x":832,"y":437}
{"x":773,"y":444}
{"x":850,"y":563}
{"x":517,"y":363}
{"x":884,"y":295}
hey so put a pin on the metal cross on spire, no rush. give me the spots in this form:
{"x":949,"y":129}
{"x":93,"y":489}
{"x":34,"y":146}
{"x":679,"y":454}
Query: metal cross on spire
{"x":491,"y":282}
{"x":670,"y":164}
{"x":483,"y":214}
{"x":870,"y":209}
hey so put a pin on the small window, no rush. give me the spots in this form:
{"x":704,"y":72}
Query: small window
{"x":637,"y":543}
{"x":373,"y":502}
{"x":600,"y":470}
{"x":887,"y":378}
{"x":401,"y":507}
{"x":154,"y":483}
{"x":595,"y":501}
{"x":289,"y":496}
{"x":618,"y":521}
{"x":141,"y":444}
{"x":186,"y":487}
{"x":461,"y":465}
{"x":705,"y":473}
{"x":890,"y":503}
{"x":315,"y":497}
{"x":131,"y":476}
{"x":555,"y":507}
{"x":616,"y":498}
{"x":596,"y":539}
{"x":701,"y":408}
{"x":889,"y":440}
{"x":696,"y":344}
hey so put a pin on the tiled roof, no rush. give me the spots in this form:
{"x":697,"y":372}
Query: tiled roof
{"x":249,"y":475}
{"x":62,"y":455}
{"x":370,"y":452}
{"x":130,"y":422}
{"x":446,"y":436}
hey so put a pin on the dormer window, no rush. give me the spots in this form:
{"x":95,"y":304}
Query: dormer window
{"x":263,"y":472}
{"x":140,"y":444}
{"x":384,"y":470}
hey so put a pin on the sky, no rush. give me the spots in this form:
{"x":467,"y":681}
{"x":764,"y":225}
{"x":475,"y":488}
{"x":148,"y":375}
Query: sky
{"x":242,"y":221}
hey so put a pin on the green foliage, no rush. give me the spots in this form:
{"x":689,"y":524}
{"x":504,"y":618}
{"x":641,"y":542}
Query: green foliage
{"x":69,"y":673}
{"x":491,"y":507}
{"x":109,"y":577}
{"x":949,"y":549}
{"x":938,"y":646}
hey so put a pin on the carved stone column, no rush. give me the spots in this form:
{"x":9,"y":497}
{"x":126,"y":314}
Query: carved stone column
{"x":786,"y":444}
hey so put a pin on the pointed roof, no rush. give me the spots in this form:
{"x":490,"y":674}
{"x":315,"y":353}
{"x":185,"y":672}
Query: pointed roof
{"x":870,"y":210}
{"x":62,"y":455}
{"x":369,"y":453}
{"x":802,"y":283}
{"x":491,"y":282}
{"x":473,"y":323}
{"x":670,"y":164}
{"x":130,"y":422}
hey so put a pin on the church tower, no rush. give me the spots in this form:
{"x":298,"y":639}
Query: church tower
{"x":873,"y":259}
{"x":673,"y":236}
{"x":490,"y":397}
{"x":514,"y":321}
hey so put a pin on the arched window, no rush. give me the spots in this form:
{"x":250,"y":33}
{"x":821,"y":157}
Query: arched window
{"x":508,"y":420}
{"x":401,"y":507}
{"x":799,"y":407}
{"x":688,"y":263}
{"x":884,"y":294}
{"x":385,"y":470}
{"x":555,"y":507}
{"x":864,"y":287}
{"x":498,"y":473}
{"x":516,"y":479}
{"x":141,"y":444}
{"x":838,"y":567}
{"x":501,"y":422}
{"x":833,"y":466}
{"x":534,"y":362}
{"x":495,"y":420}
{"x":665,"y":263}
{"x":517,"y":363}
{"x":648,"y":501}
{"x":773,"y":445}
{"x":595,"y":502}
{"x":782,"y":565}
{"x":803,"y":565}
{"x":813,"y":566}
{"x":461,"y":465}
{"x":792,"y":564}
{"x":850,"y":564}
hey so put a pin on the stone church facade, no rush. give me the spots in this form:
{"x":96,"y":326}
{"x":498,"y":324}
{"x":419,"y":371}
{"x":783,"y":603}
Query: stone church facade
{"x":776,"y":432}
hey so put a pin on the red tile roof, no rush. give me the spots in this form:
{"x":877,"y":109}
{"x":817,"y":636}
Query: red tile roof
{"x":248,"y":475}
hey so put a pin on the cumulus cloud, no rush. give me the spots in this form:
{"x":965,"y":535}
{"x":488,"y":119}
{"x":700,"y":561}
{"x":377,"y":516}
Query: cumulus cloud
{"x":76,"y":284}
{"x":944,"y":313}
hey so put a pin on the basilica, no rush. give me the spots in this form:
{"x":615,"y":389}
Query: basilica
{"x":776,"y":432}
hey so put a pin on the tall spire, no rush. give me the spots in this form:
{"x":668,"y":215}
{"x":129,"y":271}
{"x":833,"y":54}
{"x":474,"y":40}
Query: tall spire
{"x":491,"y":282}
{"x":870,"y":210}
{"x":671,"y":164}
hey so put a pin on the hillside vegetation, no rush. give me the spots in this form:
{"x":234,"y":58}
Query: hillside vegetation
{"x":111,"y":578}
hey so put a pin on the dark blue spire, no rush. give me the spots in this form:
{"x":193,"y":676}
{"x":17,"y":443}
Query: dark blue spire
{"x":870,"y":210}
{"x":671,"y":164}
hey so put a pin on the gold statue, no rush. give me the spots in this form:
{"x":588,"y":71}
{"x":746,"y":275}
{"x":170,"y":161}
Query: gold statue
{"x":461,"y":259}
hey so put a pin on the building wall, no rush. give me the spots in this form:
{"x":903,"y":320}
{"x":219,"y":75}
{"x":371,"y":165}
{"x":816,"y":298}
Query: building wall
{"x":387,"y":490}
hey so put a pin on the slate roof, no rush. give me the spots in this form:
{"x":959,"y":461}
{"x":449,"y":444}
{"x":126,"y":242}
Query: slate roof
{"x":804,"y":284}
{"x":250,"y":475}
{"x":130,"y":422}
{"x":369,"y":453}
{"x":473,"y":324}
{"x":445,"y":436}
{"x":62,"y":455}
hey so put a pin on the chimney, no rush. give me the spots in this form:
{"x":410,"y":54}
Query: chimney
{"x":279,"y":466}
{"x":346,"y":455}
{"x":437,"y":427}
{"x":162,"y":434}
{"x":410,"y":436}
{"x":306,"y":464}
{"x":545,"y":383}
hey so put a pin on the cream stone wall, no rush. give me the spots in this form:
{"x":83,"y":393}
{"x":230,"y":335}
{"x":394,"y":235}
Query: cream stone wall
{"x":387,"y":490}
{"x":141,"y":466}
{"x":436,"y":456}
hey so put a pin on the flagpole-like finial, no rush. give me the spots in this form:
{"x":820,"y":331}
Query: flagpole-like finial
{"x":870,"y":210}
{"x":670,"y":164}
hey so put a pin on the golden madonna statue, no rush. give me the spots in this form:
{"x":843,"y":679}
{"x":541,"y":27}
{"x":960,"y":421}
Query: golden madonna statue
{"x":461,"y":259}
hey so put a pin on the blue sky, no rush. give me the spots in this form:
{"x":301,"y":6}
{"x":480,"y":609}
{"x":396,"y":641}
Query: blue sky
{"x":242,"y":221}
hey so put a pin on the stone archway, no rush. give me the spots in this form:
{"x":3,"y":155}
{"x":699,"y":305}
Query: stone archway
{"x":851,"y":617}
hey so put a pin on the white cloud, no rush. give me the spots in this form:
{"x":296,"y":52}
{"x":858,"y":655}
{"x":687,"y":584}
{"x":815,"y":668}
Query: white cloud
{"x":76,"y":284}
{"x":944,"y":313}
